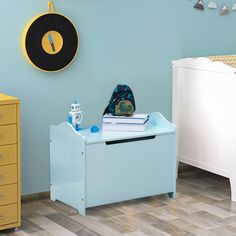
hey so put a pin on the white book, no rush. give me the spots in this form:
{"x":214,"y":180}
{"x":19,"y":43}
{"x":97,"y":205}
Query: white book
{"x":134,"y":119}
{"x":124,"y":127}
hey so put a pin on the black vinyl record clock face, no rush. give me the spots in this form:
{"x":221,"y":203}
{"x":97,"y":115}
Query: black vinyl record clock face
{"x":50,"y":42}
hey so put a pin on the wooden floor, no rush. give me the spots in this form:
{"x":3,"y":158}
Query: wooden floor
{"x":202,"y":207}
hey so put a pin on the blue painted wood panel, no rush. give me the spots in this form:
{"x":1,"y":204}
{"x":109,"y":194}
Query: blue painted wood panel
{"x":94,"y":170}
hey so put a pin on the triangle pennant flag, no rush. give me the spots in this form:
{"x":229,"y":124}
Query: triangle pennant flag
{"x":224,"y":10}
{"x":212,"y":5}
{"x":199,"y":5}
{"x":234,"y":7}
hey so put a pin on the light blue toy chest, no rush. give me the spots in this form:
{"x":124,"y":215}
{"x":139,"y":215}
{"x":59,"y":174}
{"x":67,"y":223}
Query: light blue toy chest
{"x":91,"y":169}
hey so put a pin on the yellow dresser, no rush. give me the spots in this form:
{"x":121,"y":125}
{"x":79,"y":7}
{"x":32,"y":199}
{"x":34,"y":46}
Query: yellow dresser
{"x":10,"y":196}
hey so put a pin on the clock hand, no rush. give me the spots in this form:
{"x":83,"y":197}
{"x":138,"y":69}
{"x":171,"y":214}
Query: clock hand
{"x":51,"y":42}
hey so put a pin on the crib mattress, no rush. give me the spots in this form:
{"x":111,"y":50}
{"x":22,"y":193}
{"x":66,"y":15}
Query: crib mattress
{"x":226,"y":59}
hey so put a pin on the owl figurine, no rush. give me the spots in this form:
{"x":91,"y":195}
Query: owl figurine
{"x":75,"y":116}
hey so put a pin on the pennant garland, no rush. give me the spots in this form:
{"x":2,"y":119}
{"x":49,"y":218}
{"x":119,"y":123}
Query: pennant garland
{"x":225,"y":10}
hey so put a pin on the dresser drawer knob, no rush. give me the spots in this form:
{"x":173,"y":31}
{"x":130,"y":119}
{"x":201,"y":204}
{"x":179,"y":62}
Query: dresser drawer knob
{"x":1,"y":217}
{"x":1,"y":136}
{"x":1,"y":177}
{"x":1,"y":197}
{"x":1,"y":156}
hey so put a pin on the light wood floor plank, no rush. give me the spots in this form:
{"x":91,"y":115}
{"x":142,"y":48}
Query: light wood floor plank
{"x":96,"y":226}
{"x":212,"y":209}
{"x":21,"y":233}
{"x":36,"y":207}
{"x":41,"y":233}
{"x":71,"y":225}
{"x":202,"y":232}
{"x":137,"y":233}
{"x":141,"y":226}
{"x":51,"y":227}
{"x":221,"y":231}
{"x":231,"y":228}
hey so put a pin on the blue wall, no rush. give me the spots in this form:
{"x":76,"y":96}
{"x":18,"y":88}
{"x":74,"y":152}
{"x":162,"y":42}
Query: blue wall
{"x":122,"y":41}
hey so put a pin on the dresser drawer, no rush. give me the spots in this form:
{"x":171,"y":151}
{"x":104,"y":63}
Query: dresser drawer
{"x":8,"y":154}
{"x":7,"y":134}
{"x":8,"y":194}
{"x":7,"y":114}
{"x":8,"y":214}
{"x":8,"y":174}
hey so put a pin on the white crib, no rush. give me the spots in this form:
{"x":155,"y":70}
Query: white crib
{"x":204,"y":110}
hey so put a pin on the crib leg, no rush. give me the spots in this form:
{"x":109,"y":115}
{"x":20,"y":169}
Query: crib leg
{"x":233,"y":188}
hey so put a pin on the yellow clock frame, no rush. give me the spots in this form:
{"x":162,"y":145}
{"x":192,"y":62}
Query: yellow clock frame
{"x":57,"y":37}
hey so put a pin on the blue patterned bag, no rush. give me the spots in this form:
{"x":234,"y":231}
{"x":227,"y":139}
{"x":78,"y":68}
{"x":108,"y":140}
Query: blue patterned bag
{"x":122,"y":102}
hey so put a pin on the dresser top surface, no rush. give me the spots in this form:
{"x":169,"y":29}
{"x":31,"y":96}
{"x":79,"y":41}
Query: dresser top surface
{"x":6,"y":99}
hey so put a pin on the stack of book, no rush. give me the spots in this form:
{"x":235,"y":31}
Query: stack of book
{"x":137,"y":122}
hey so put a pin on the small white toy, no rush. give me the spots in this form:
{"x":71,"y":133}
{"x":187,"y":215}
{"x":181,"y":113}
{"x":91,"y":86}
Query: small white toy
{"x":75,"y":116}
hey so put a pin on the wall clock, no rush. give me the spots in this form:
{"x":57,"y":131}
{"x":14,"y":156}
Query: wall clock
{"x":50,"y":41}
